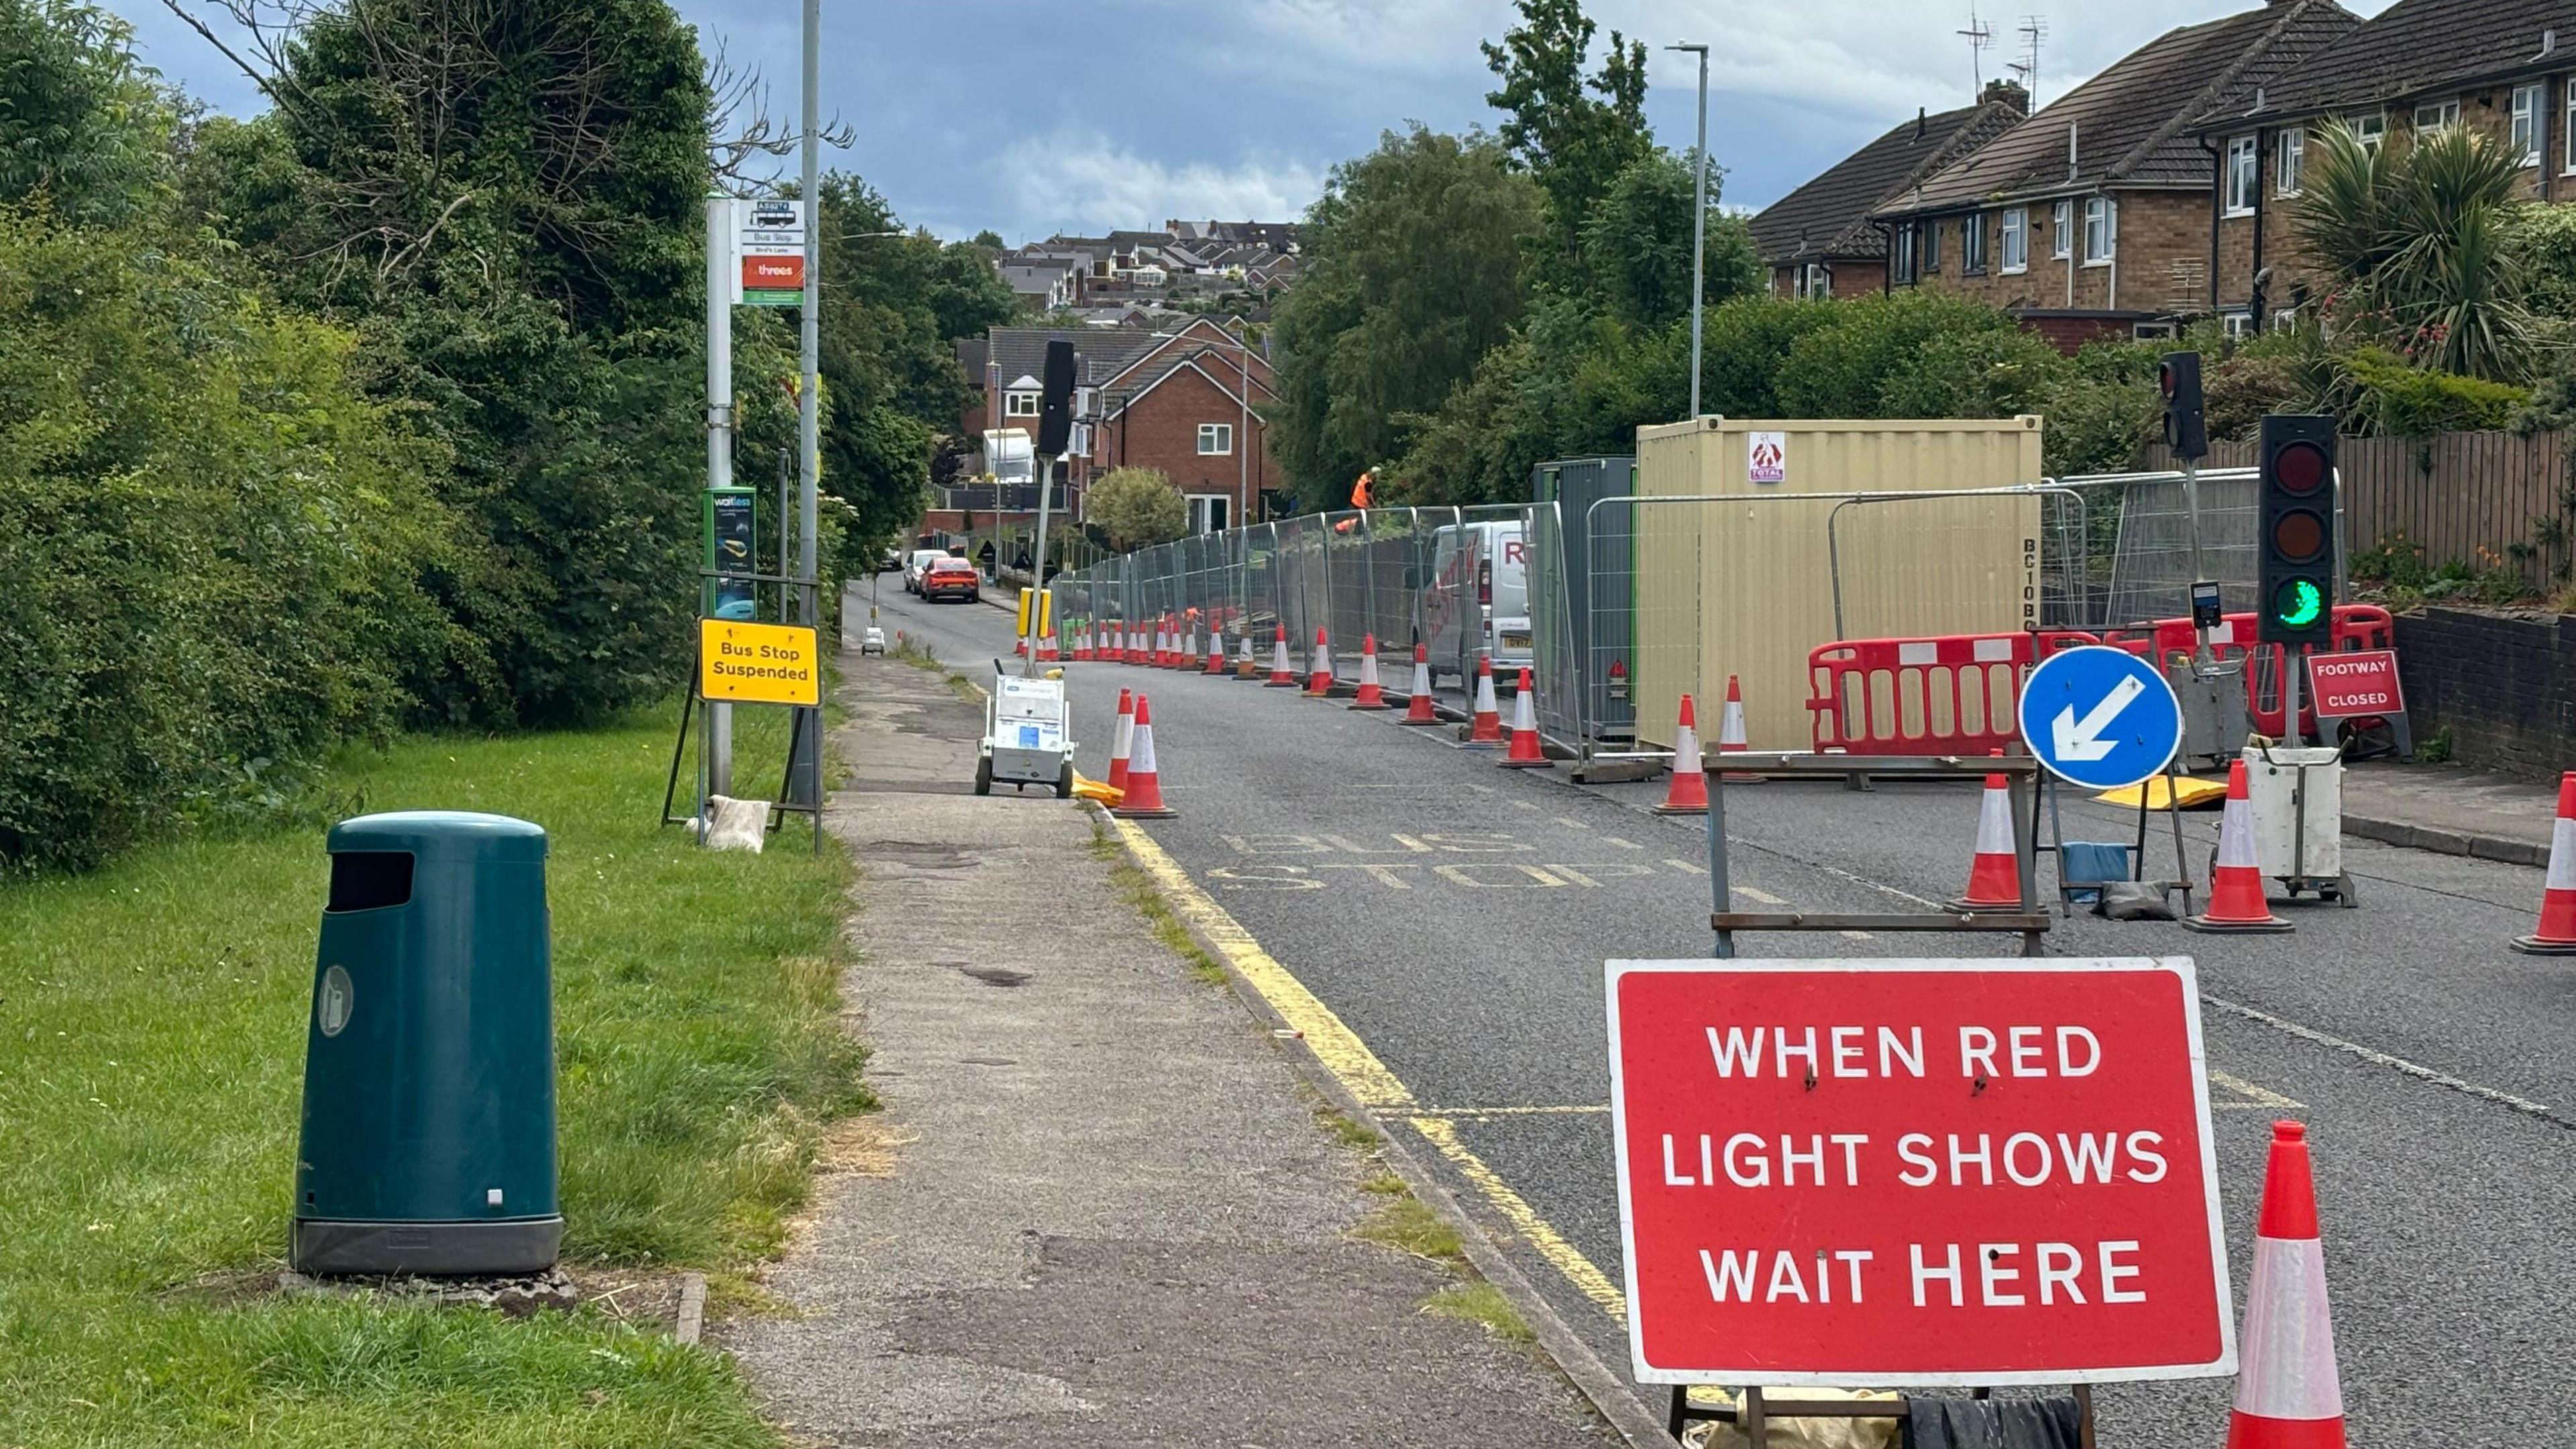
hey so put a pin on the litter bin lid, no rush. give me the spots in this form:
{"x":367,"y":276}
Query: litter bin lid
{"x":442,"y":835}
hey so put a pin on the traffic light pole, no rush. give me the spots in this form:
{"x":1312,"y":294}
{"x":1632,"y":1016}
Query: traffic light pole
{"x":2191,"y":506}
{"x":1037,"y":566}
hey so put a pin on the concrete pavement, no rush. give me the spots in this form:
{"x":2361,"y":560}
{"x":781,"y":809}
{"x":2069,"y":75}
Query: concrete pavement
{"x":1096,"y":1210}
{"x":1455,"y":916}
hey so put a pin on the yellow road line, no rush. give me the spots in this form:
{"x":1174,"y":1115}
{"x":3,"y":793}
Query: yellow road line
{"x":1573,"y":1109}
{"x":2255,"y":1096}
{"x":1561,"y":1255}
{"x":1335,"y":1045}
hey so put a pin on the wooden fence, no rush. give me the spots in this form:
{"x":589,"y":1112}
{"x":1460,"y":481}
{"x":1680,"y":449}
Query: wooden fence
{"x":2481,"y":498}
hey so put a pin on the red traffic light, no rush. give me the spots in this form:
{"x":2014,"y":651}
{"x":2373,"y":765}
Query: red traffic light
{"x":2165,"y":379}
{"x":2299,"y":469}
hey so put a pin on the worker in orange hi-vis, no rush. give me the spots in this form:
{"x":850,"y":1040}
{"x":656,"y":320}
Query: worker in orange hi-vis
{"x":1359,"y":498}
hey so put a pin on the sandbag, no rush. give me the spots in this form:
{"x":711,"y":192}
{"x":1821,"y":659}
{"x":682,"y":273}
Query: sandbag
{"x":1794,"y":1433}
{"x":736,"y":824}
{"x":1994,"y":1423}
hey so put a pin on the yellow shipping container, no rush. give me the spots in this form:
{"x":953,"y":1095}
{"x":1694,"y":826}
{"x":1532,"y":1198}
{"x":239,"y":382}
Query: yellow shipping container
{"x":1745,"y":585}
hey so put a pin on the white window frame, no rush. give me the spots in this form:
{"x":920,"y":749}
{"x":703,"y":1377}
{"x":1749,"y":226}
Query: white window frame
{"x":2371,"y":128}
{"x":1908,"y":268}
{"x":2061,"y":233}
{"x":2153,"y":331}
{"x":2290,"y":161}
{"x":2523,"y":111}
{"x":1222,"y":434}
{"x":2445,"y":113}
{"x":1204,"y":508}
{"x":2285,"y":319}
{"x":2101,"y":211}
{"x":2012,"y":248}
{"x":2567,"y":127}
{"x":2236,"y":324}
{"x":1929,"y":260}
{"x":1020,"y":404}
{"x":1972,"y":244}
{"x":2243,"y":175}
{"x":1815,"y":282}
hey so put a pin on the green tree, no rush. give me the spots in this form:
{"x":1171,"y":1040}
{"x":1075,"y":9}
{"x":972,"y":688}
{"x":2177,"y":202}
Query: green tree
{"x":1637,"y":244}
{"x":2416,"y":237}
{"x":1412,"y":274}
{"x":1575,"y":133}
{"x":82,"y":124}
{"x":1136,"y":508}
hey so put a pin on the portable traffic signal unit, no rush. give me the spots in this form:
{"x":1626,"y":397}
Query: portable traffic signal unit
{"x":2178,"y":378}
{"x":2296,"y":549}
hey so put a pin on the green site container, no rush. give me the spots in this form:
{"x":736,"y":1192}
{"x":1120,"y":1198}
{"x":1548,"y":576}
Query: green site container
{"x":429,"y":1062}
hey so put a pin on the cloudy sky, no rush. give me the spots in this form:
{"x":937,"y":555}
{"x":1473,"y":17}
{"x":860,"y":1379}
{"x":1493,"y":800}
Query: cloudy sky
{"x":1034,"y":116}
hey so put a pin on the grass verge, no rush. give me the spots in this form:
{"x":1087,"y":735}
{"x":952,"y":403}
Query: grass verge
{"x":152,"y":1022}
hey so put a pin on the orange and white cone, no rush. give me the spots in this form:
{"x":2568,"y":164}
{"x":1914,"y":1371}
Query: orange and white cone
{"x":1189,"y":655}
{"x":1731,"y":740}
{"x":1417,"y":710}
{"x":1144,"y":797}
{"x":1216,"y":644}
{"x":2557,"y":933}
{"x":2236,"y":904}
{"x":1047,"y":651}
{"x":1372,"y":695}
{"x":1525,"y":753}
{"x":1487,"y":726}
{"x":1281,"y":676}
{"x":1688,"y":793}
{"x":1319,"y":678}
{"x":1135,"y":642}
{"x":1245,"y":666}
{"x":2288,"y":1395}
{"x":1994,"y":881}
{"x":1167,"y":651}
{"x":1122,"y":740}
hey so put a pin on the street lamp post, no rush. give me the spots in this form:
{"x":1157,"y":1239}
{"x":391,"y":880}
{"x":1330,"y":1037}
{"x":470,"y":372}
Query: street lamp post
{"x":1699,"y":212}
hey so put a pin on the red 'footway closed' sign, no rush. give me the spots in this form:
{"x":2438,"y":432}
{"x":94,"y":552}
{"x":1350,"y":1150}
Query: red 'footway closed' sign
{"x":1916,"y":1172}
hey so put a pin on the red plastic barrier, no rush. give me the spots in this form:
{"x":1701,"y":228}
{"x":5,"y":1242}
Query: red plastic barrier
{"x":1953,"y":694}
{"x":2355,"y":626}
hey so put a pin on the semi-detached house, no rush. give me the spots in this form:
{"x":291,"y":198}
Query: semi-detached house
{"x":2507,"y":67}
{"x":2091,"y":218}
{"x":1821,"y":240}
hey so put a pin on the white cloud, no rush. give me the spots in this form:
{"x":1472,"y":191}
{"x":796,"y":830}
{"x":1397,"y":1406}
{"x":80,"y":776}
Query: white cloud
{"x":1083,"y":182}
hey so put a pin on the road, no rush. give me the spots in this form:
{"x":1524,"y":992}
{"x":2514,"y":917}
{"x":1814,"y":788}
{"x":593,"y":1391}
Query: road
{"x":1456,"y":916}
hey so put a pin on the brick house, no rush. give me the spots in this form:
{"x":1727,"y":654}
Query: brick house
{"x":2091,"y":218}
{"x":1820,"y":240}
{"x":2504,"y":66}
{"x":1192,"y":408}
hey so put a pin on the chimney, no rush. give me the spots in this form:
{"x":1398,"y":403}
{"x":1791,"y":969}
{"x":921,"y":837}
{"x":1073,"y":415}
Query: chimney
{"x":1921,"y":114}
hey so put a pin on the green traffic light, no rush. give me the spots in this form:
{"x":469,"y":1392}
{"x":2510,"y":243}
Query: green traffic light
{"x":2298,"y":604}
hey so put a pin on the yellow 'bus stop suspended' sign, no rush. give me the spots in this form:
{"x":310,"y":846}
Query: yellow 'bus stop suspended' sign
{"x":758,"y":663}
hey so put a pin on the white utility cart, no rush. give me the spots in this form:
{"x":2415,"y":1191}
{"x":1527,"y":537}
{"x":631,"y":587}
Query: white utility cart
{"x":2297,"y":795}
{"x":1028,"y":738}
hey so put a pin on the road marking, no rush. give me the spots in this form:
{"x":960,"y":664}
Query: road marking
{"x":1622,"y":844}
{"x":1523,"y":805}
{"x":2419,"y":1072}
{"x":1357,"y":1068}
{"x":2254,"y":1096}
{"x":1685,"y":867}
{"x":1334,"y":1044}
{"x":1571,"y":824}
{"x":1759,"y":898}
{"x":1570,"y":1109}
{"x":1543,"y":1239}
{"x":1480,"y":789}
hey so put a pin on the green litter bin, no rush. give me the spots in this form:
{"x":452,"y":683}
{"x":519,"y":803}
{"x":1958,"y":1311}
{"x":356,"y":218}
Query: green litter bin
{"x":428,"y":1143}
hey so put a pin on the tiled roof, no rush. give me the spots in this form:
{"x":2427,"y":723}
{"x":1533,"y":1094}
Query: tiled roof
{"x":1098,"y":352}
{"x":2131,"y":122}
{"x":1829,"y":216}
{"x":2416,"y":46}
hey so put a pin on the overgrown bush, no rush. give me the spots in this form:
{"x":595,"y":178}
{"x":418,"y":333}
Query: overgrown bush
{"x":2392,"y":397}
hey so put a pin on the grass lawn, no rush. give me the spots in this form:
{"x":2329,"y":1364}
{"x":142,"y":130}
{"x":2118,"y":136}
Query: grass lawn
{"x":152,"y":1023}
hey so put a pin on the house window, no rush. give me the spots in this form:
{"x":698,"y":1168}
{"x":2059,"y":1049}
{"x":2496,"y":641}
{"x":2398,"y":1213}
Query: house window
{"x":2285,"y":319}
{"x":2101,"y":231}
{"x":2237,"y":324}
{"x":1210,"y":512}
{"x":2435,"y":116}
{"x":2061,"y":231}
{"x":2152,"y":331}
{"x":1215,"y":439}
{"x":2526,"y":124}
{"x":2567,"y":160}
{"x":1019,"y":404}
{"x":1815,"y":281}
{"x":2289,"y":161}
{"x":2015,"y":240}
{"x":2244,"y":161}
{"x":2371,"y":129}
{"x":1972,"y":244}
{"x":1905,"y":255}
{"x":1931,"y":247}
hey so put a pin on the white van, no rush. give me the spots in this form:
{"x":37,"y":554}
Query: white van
{"x":1477,"y":599}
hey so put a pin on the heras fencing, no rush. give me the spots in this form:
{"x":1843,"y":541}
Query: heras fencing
{"x":1673,"y":595}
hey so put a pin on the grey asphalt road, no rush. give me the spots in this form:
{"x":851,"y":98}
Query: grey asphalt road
{"x":1456,"y":916}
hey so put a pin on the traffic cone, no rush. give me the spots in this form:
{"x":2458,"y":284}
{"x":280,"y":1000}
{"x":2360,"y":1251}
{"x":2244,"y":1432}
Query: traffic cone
{"x":1216,"y":645}
{"x":1371,"y":695}
{"x":1189,"y":655}
{"x":1122,"y":740}
{"x":1245,"y":666}
{"x":2557,"y":933}
{"x":1320,"y":677}
{"x":1730,"y":736}
{"x":1081,"y":641}
{"x":1525,"y":753}
{"x":1163,"y":646}
{"x":2236,"y":904}
{"x":2287,"y":1393}
{"x":1281,"y":676}
{"x":1047,"y":652}
{"x":1487,"y":728}
{"x":1417,"y":710}
{"x":1688,"y":793}
{"x":1144,"y":798}
{"x":1994,"y":881}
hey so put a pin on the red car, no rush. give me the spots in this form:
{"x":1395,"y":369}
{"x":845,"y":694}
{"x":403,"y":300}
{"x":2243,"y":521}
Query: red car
{"x":951,"y":578}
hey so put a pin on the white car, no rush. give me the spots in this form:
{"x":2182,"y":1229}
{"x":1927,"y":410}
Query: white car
{"x":918,"y":564}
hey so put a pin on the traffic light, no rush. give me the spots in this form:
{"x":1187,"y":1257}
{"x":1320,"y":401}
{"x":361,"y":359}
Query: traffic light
{"x":2296,"y":548}
{"x":1055,"y":408}
{"x":2178,"y":378}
